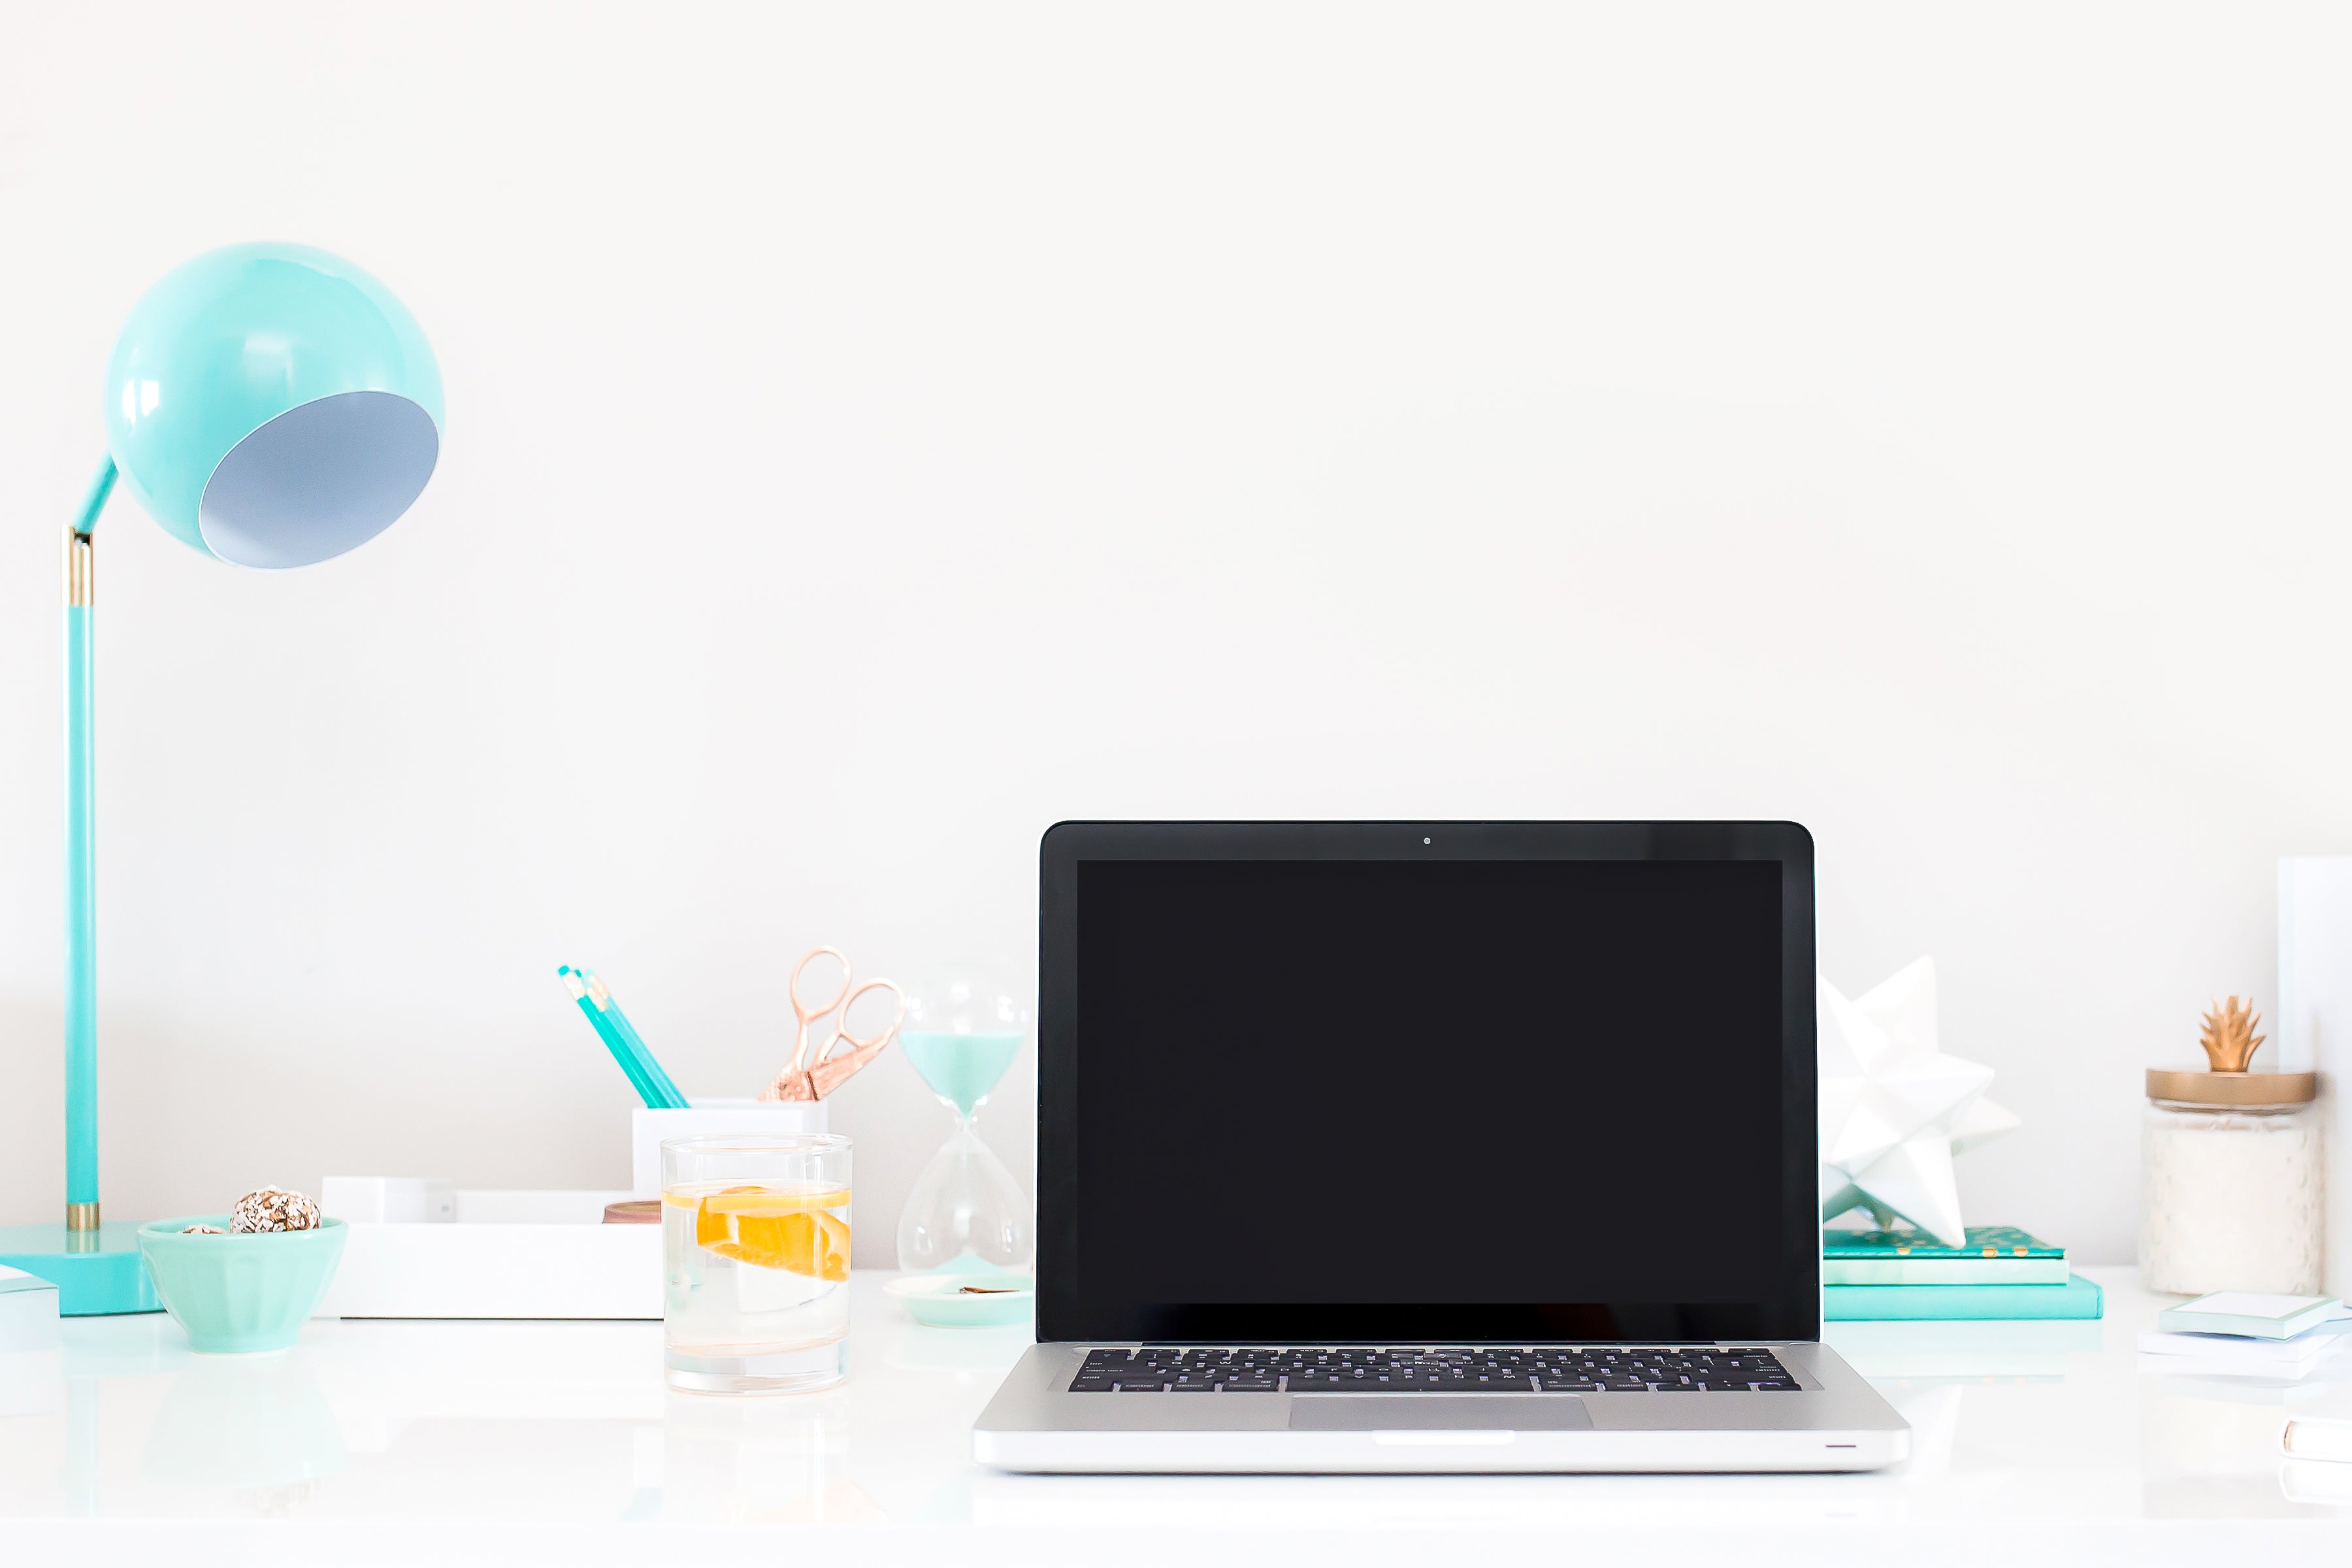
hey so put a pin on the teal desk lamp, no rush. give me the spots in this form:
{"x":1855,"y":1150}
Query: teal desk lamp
{"x":271,"y":405}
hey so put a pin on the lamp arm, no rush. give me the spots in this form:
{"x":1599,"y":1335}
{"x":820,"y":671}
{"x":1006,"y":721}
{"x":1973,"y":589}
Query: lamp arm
{"x":82,"y":888}
{"x":101,"y":485}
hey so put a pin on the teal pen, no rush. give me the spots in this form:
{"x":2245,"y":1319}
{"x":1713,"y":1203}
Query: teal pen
{"x":612,"y":1041}
{"x":648,"y":1063}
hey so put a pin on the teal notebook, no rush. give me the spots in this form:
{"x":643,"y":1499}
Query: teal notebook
{"x":1992,"y":1255}
{"x":2078,"y":1298}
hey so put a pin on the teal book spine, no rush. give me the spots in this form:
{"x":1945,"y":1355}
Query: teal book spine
{"x":1978,"y":1242}
{"x":1944,"y":1271}
{"x":2078,"y":1298}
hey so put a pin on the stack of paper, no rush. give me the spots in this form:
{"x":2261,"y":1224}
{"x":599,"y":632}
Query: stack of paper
{"x":2238,"y":1334}
{"x":2223,"y":1354}
{"x":31,"y":1375}
{"x":28,"y":1312}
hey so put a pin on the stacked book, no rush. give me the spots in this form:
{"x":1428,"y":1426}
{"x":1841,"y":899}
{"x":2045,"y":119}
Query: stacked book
{"x":1998,"y":1272}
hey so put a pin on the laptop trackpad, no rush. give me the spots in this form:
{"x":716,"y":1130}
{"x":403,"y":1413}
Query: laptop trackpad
{"x":1438,"y":1413}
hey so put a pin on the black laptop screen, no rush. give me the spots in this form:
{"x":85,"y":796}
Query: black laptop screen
{"x":1348,"y":1098}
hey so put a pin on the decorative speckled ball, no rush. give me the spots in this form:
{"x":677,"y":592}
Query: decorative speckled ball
{"x":201,"y":1230}
{"x":274,"y":1208}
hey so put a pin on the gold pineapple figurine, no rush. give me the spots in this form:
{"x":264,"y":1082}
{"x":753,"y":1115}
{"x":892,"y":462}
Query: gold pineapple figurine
{"x":2229,"y":1037}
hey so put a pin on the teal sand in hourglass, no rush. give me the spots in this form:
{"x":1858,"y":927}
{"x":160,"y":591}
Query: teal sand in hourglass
{"x":967,"y":1215}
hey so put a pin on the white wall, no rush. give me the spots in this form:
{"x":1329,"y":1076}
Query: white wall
{"x":878,"y":432}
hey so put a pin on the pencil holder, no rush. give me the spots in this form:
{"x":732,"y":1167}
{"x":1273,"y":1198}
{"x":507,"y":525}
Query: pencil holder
{"x":648,"y":1128}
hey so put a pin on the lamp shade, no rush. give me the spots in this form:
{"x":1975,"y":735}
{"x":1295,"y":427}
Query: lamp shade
{"x":273,"y":404}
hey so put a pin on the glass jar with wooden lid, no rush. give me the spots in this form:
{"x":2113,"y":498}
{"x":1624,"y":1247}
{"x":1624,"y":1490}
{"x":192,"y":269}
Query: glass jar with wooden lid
{"x":2232,"y":1195}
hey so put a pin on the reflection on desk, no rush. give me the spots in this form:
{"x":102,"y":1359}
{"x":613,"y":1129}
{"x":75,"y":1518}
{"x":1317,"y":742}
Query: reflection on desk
{"x":2044,"y":1434}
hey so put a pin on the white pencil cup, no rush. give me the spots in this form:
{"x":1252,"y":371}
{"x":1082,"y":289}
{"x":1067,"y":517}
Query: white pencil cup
{"x":703,"y":1117}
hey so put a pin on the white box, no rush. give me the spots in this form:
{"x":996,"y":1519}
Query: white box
{"x":419,"y":1247}
{"x":647,"y":1128}
{"x":506,"y":1255}
{"x":389,"y":1200}
{"x":2312,"y":1029}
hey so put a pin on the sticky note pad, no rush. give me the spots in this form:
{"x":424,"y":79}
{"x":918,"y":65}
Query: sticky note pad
{"x":2247,"y":1314}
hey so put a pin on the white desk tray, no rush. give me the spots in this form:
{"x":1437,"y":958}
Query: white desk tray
{"x":503,"y":1255}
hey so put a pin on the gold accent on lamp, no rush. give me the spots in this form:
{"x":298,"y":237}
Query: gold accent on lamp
{"x":81,"y":568}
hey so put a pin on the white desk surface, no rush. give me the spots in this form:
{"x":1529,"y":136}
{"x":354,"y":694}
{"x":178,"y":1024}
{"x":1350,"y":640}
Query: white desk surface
{"x":448,"y":1442}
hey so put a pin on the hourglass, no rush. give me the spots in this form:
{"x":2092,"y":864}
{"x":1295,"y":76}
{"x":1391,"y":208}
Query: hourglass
{"x":967,"y":1215}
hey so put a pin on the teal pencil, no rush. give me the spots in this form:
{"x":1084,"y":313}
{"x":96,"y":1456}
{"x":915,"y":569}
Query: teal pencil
{"x":648,"y":1063}
{"x":612,"y":1041}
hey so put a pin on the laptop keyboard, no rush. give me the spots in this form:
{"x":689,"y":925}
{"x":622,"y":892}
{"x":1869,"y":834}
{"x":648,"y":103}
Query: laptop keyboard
{"x":1612,"y":1370}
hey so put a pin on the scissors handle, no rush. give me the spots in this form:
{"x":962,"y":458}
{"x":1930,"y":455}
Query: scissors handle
{"x":807,"y":1014}
{"x":841,"y":1035}
{"x":829,"y":1072}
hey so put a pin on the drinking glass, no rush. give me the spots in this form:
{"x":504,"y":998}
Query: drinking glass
{"x":755,"y":1247}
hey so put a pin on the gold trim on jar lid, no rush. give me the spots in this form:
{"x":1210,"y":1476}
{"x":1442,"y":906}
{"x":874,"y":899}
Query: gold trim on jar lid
{"x":2232,"y":1090}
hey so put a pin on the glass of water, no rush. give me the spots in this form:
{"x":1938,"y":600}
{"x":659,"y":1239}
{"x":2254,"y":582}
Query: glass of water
{"x":755,"y":1245}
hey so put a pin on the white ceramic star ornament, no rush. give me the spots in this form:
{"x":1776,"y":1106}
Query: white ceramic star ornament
{"x":1894,"y":1108}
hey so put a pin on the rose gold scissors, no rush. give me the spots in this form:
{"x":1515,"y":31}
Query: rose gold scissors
{"x":807,"y":1076}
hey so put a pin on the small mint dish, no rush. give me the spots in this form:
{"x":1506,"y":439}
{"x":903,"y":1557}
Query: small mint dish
{"x":965,"y":1297}
{"x":240,"y":1295}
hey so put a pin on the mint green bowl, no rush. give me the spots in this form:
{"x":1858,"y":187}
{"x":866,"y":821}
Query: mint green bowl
{"x":938,"y":1300}
{"x":238,"y":1295}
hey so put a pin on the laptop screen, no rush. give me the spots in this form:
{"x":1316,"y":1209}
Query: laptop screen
{"x":1362,"y":1099}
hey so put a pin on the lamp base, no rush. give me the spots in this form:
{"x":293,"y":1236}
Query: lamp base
{"x":96,"y":1274}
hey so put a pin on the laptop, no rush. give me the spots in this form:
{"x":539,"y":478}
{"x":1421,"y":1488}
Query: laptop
{"x":1451,"y":1146}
